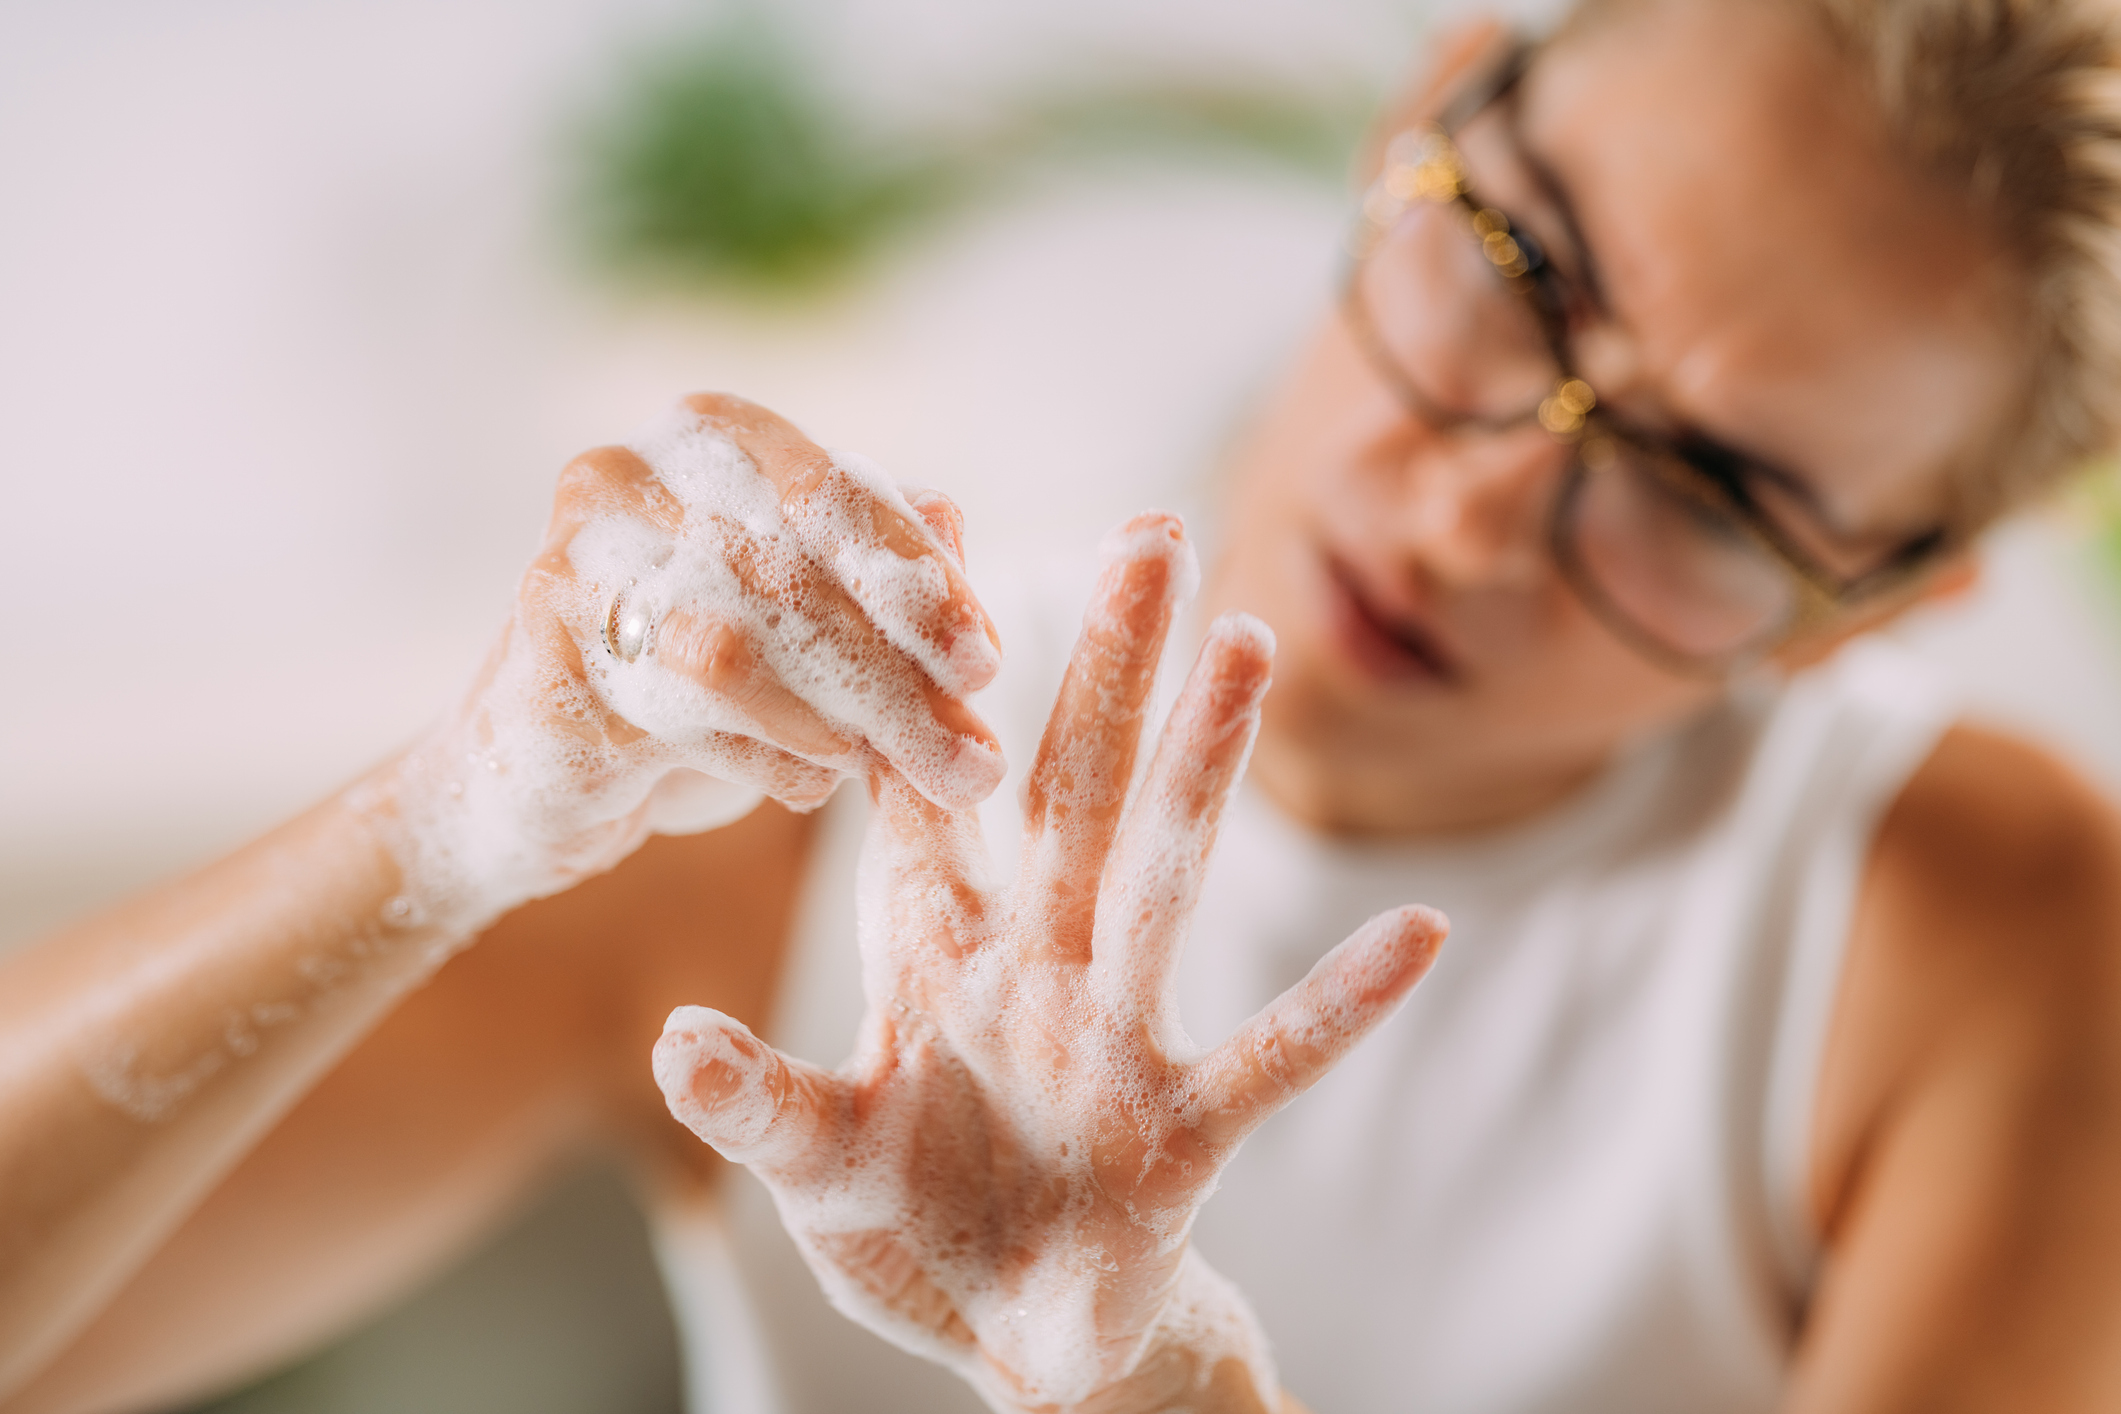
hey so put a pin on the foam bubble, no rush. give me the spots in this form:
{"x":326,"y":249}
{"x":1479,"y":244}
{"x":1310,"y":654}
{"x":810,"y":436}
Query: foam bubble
{"x":571,"y":753}
{"x":1016,"y":1197}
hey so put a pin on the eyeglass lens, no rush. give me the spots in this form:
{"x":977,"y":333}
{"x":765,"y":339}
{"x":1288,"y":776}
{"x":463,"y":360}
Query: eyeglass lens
{"x":1469,"y":343}
{"x":1658,"y":547}
{"x":1661,"y":553}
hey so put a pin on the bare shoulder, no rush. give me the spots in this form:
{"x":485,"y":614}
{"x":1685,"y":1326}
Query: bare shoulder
{"x":1988,"y":925}
{"x":1967,"y":1138}
{"x":1992,"y":830}
{"x":1990,"y":908}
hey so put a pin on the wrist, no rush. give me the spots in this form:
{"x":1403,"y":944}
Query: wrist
{"x":1209,"y":1333}
{"x":1206,"y":1354}
{"x":526,"y":791}
{"x":453,"y":817}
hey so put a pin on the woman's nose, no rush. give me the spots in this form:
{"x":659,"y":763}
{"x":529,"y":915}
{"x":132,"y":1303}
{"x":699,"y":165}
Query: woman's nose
{"x":1474,"y":508}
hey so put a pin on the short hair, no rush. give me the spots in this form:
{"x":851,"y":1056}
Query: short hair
{"x":2016,"y":104}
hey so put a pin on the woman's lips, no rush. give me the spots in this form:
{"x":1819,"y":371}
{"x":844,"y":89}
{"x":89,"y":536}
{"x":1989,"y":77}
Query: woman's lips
{"x":1390,"y":648}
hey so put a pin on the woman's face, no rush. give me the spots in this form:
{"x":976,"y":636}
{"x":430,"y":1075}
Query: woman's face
{"x":1771,"y":276}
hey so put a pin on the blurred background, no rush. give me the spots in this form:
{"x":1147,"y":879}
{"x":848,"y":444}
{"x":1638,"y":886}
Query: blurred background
{"x":302,"y":306}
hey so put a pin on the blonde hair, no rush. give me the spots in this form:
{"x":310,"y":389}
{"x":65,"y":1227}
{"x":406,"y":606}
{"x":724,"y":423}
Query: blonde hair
{"x":2016,"y":104}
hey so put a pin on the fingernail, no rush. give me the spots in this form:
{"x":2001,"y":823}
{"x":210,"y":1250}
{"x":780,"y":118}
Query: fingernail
{"x":1239,"y":627}
{"x":974,"y":769}
{"x":712,"y":1084}
{"x":972,"y":655}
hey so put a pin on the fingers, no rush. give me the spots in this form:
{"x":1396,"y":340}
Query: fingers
{"x":683,"y":536}
{"x":840,"y":558}
{"x":921,"y":879}
{"x":896,"y":569}
{"x":720,"y":659}
{"x":746,"y":761}
{"x":1078,"y":783}
{"x":1281,"y":1052}
{"x":832,"y":660}
{"x":935,"y":740}
{"x":606,"y":480}
{"x":852,"y":518}
{"x":792,"y":462}
{"x":943,"y":517}
{"x":1161,"y":855}
{"x":606,"y":484}
{"x":751,"y":1103}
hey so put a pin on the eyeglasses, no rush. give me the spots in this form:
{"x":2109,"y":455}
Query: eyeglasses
{"x":1666,"y":540}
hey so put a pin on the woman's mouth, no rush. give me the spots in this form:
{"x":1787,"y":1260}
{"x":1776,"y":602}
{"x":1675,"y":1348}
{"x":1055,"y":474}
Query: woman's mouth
{"x":1391,"y":648}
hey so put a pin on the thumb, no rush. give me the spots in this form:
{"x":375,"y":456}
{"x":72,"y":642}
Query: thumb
{"x":942,"y":516}
{"x":754,"y":1105}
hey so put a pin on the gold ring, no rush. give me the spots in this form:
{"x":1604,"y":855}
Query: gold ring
{"x":627,"y":629}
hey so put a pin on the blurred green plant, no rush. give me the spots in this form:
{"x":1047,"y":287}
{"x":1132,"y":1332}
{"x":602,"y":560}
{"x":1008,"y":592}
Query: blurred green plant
{"x":2101,"y":497}
{"x":2090,"y":511}
{"x":1310,"y":133}
{"x":722,"y":160}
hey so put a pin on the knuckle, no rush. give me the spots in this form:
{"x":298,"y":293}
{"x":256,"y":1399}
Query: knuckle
{"x":895,"y":533}
{"x":592,"y":471}
{"x":722,"y":407}
{"x":1284,"y":1059}
{"x":804,"y":471}
{"x":613,"y":478}
{"x":728,"y":665}
{"x":706,"y":650}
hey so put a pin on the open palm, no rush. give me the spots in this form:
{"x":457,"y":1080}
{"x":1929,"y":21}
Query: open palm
{"x":1003,"y":1176}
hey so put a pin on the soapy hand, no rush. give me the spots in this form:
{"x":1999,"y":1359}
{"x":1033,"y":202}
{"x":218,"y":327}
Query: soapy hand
{"x":721,"y":610}
{"x":1004,"y":1175}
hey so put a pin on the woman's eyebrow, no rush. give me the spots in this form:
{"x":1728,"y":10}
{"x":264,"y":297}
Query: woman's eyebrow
{"x":1551,"y":187}
{"x":1744,"y":467}
{"x":1741,"y":464}
{"x":1548,"y":183}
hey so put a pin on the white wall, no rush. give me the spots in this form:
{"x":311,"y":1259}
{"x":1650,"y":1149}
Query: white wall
{"x":289,"y":356}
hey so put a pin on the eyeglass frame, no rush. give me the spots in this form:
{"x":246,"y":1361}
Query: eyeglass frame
{"x":1570,"y":412}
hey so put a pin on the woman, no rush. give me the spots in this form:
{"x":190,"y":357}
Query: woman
{"x":1773,"y":1059}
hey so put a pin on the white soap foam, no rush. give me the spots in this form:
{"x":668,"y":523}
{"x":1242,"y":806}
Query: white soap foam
{"x":864,"y":689}
{"x":744,"y":1103}
{"x":548,"y":777}
{"x":900,"y":594}
{"x":1157,"y":871}
{"x":977,"y":1172}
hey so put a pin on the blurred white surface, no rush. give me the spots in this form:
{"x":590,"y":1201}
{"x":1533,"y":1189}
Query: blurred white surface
{"x":290,"y":357}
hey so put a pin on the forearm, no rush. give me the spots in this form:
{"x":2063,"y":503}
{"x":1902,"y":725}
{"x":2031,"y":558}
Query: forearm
{"x":147,"y":1050}
{"x":658,"y":674}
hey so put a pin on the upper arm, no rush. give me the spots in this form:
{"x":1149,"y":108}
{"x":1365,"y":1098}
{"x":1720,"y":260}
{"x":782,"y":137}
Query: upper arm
{"x":1967,"y":1168}
{"x":522,"y":1051}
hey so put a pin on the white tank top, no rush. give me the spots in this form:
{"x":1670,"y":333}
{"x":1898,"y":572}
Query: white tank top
{"x":1569,"y":1175}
